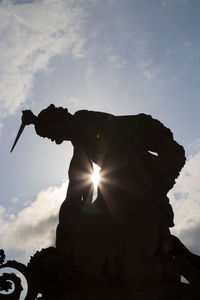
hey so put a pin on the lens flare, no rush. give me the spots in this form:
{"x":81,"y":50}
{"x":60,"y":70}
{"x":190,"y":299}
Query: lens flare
{"x":95,"y":177}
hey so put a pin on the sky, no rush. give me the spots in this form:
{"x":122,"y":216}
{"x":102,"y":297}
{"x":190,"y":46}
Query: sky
{"x":122,"y":57}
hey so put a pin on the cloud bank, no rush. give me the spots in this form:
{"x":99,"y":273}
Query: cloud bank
{"x":185,"y":199}
{"x":30,"y":35}
{"x":35,"y":226}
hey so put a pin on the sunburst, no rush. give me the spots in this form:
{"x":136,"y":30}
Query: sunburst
{"x":95,"y":177}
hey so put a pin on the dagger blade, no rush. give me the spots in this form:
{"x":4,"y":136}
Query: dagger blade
{"x":18,"y":136}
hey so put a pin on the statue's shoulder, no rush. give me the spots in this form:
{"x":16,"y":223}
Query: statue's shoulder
{"x":83,"y":112}
{"x":91,"y":113}
{"x":94,"y":116}
{"x":139,"y":117}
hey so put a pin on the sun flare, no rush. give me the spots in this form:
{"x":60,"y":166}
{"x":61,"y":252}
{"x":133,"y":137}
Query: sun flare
{"x":95,"y":177}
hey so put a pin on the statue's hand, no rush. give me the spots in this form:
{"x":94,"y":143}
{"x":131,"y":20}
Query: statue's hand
{"x":28,"y":117}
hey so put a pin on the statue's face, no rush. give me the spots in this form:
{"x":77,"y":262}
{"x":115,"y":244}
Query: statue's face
{"x":53,"y":131}
{"x":55,"y":136}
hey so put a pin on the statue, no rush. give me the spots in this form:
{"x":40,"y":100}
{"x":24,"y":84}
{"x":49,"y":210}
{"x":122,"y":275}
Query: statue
{"x":121,"y":242}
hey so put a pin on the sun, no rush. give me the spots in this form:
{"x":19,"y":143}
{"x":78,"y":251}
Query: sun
{"x":95,"y":177}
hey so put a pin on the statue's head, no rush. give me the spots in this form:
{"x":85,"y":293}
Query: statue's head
{"x":52,"y":123}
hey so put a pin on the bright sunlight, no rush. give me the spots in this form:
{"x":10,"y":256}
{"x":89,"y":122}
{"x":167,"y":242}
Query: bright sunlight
{"x":95,"y":175}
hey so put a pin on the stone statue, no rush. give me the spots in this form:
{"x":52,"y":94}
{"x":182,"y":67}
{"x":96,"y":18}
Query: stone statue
{"x":121,"y":242}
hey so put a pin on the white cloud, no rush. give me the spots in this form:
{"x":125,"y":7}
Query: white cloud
{"x":30,"y":35}
{"x":34,"y":227}
{"x":185,"y":199}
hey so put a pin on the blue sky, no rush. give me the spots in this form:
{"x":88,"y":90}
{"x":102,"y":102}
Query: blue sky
{"x":123,"y":57}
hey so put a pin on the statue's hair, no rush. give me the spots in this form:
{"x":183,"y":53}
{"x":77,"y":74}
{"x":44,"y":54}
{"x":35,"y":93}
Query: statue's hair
{"x":50,"y":115}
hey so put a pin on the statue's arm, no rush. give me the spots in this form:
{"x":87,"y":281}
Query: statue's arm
{"x":170,"y":155}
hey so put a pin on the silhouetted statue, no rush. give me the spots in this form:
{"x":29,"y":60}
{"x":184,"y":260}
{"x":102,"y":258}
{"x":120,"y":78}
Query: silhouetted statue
{"x":121,"y":242}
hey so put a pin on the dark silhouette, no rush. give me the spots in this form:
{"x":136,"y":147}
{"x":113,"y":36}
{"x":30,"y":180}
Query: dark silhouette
{"x":11,"y":283}
{"x":119,"y":246}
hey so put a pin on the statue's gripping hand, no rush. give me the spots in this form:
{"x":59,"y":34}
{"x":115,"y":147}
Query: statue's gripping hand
{"x":28,"y":117}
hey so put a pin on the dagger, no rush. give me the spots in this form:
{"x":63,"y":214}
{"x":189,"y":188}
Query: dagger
{"x":27,"y":118}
